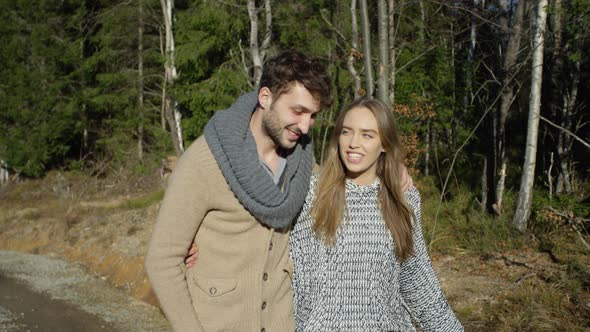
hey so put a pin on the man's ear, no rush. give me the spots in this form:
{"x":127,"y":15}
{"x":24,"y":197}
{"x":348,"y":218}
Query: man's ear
{"x":264,"y":97}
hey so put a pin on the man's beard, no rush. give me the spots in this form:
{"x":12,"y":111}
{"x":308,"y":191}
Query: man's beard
{"x":272,"y":128}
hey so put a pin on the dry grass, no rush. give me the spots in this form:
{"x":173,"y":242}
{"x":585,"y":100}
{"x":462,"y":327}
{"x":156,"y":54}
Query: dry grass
{"x":506,"y":281}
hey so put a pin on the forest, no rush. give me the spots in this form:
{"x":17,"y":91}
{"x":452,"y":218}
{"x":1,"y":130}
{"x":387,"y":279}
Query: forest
{"x":488,"y":95}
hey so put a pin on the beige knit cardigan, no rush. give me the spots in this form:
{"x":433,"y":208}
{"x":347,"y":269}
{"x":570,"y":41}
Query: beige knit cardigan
{"x":242,"y":278}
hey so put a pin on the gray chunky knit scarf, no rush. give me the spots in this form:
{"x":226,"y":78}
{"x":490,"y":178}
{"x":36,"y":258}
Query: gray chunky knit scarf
{"x":231,"y":142}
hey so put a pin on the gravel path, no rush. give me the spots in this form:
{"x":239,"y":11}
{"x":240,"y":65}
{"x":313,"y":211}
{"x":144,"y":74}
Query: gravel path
{"x":72,"y":290}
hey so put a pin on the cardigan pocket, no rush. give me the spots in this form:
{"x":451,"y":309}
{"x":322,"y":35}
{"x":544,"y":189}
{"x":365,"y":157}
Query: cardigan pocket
{"x":217,"y":303}
{"x":215,"y":287}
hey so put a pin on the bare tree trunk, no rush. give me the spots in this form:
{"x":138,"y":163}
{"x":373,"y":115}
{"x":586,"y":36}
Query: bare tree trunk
{"x":428,"y":144}
{"x":367,"y":47}
{"x":258,"y":52}
{"x":383,"y":67}
{"x":171,"y":112}
{"x":525,"y":195}
{"x":354,"y":52}
{"x":468,"y":98}
{"x":4,"y":174}
{"x":254,"y":49}
{"x":564,"y":141}
{"x":140,"y":104}
{"x":484,"y":185}
{"x":421,"y":36}
{"x":569,"y":93}
{"x":391,"y":5}
{"x":506,"y":101}
{"x":421,"y":32}
{"x":556,"y":71}
{"x":268,"y":34}
{"x":550,"y":176}
{"x":163,"y":101}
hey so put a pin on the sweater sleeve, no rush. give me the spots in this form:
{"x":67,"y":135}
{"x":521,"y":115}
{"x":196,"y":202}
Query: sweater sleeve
{"x":184,"y":206}
{"x":419,"y":285}
{"x":301,"y":234}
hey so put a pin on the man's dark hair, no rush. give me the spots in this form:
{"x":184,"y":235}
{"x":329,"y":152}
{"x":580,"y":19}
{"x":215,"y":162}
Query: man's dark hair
{"x":282,"y":71}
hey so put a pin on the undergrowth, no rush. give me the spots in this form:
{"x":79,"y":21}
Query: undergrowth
{"x":145,"y":200}
{"x":462,"y":227}
{"x":554,"y":298}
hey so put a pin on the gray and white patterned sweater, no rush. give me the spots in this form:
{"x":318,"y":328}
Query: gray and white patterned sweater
{"x":359,"y":284}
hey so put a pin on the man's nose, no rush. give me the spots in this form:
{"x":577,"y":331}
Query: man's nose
{"x":305,"y":123}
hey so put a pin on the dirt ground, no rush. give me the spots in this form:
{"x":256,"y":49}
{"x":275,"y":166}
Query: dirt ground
{"x":105,"y":227}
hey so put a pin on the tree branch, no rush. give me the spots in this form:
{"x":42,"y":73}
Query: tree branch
{"x":415,"y":59}
{"x":586,"y":144}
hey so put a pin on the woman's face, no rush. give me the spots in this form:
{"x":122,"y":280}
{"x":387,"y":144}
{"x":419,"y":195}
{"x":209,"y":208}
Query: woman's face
{"x":360,"y":145}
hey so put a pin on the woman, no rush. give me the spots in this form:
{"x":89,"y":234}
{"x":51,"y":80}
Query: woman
{"x":360,"y":259}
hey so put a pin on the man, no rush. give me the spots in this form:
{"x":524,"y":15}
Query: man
{"x":235,"y":191}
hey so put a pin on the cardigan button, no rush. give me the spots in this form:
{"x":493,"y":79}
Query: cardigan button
{"x":212,"y":290}
{"x":265,"y":277}
{"x":263,"y":305}
{"x":270,"y":247}
{"x":263,"y":330}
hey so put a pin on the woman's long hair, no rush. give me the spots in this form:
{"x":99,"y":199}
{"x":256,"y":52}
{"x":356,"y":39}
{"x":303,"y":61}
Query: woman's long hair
{"x":328,"y":207}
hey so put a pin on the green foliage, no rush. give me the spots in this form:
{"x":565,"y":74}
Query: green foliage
{"x":208,"y":61}
{"x":144,"y":201}
{"x":544,"y":221}
{"x":202,"y":99}
{"x":300,"y":26}
{"x":462,"y":226}
{"x":37,"y":118}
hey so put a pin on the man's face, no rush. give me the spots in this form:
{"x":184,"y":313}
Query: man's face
{"x":290,"y":116}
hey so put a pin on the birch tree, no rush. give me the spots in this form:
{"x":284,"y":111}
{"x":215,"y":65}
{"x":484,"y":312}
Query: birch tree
{"x":257,"y":51}
{"x":354,"y":53}
{"x":4,"y":174}
{"x":566,"y":71}
{"x":383,"y":65}
{"x":169,"y":106}
{"x":140,"y":103}
{"x":508,"y":83}
{"x":366,"y":32}
{"x":525,"y":195}
{"x":391,"y":27}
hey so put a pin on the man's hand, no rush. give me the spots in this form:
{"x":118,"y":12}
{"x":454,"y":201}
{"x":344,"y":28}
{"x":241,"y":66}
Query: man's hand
{"x":191,"y":257}
{"x":406,"y":180}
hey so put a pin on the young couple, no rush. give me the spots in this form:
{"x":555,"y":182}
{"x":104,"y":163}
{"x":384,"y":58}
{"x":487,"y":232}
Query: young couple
{"x":357,"y":259}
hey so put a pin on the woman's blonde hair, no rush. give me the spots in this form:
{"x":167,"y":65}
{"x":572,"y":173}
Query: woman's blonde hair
{"x":328,"y":207}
